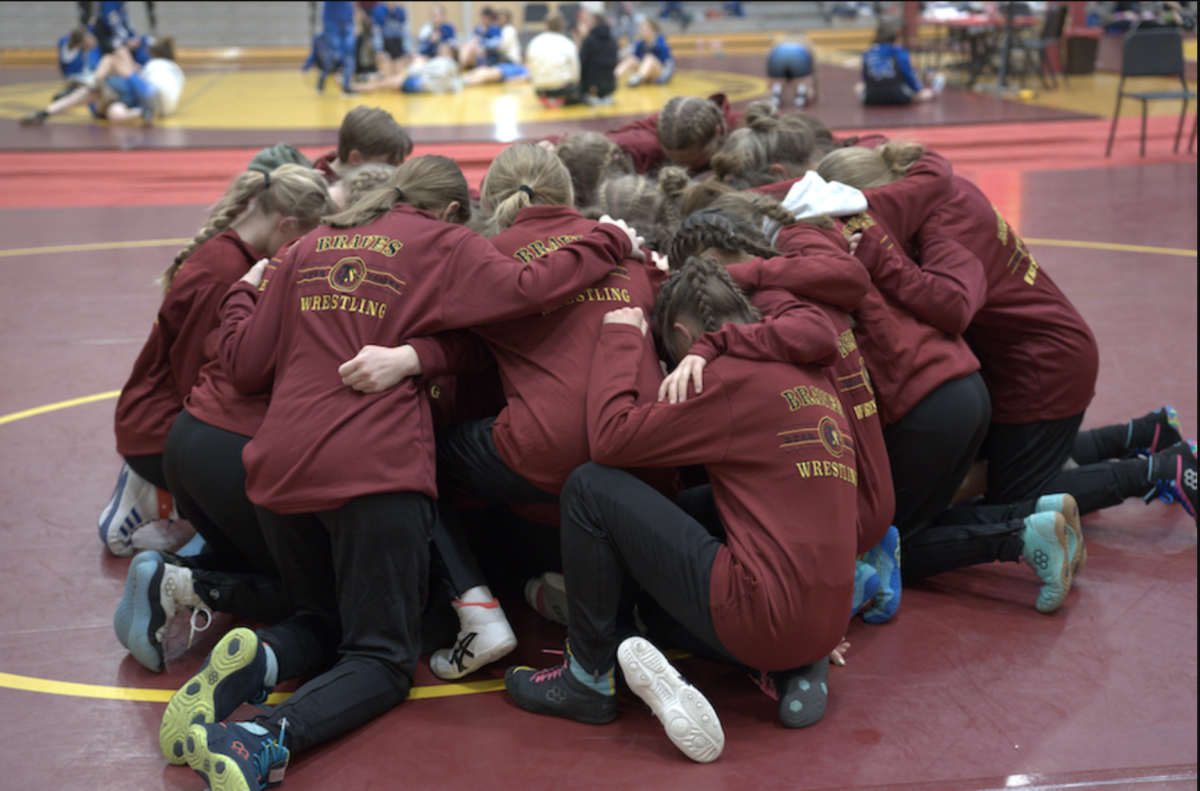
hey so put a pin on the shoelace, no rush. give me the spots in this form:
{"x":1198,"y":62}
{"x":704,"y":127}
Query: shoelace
{"x":207,"y":622}
{"x":766,"y":684}
{"x":548,"y":673}
{"x":270,"y":754}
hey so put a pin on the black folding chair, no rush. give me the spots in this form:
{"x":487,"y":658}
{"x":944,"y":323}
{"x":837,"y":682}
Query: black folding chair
{"x":1034,"y":49}
{"x":1153,"y":52}
{"x":534,"y":20}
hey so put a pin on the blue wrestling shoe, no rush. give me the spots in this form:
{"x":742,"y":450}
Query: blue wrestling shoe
{"x":885,"y":558}
{"x":233,"y":674}
{"x":237,"y":756}
{"x":1065,"y":504}
{"x":1174,"y":477}
{"x":866,"y":586}
{"x":1046,"y":551}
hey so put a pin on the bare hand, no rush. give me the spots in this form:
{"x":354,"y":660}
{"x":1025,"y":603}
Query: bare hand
{"x":674,"y":387}
{"x":660,"y":262}
{"x":378,"y":368}
{"x":255,"y":276}
{"x":546,"y":144}
{"x":838,"y":655}
{"x":631,"y":316}
{"x":855,"y":241}
{"x":635,"y":240}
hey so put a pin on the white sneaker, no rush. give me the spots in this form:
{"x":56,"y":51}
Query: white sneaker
{"x":690,"y":720}
{"x":484,"y":637}
{"x":134,"y":503}
{"x":548,"y":595}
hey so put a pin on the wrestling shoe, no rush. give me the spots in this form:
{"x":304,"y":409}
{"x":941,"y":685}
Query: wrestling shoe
{"x":552,"y":102}
{"x":160,"y":590}
{"x":484,"y":637}
{"x":1173,"y":475}
{"x":234,"y":673}
{"x":1154,"y":432}
{"x":866,"y":586}
{"x":1046,"y":551}
{"x":236,"y":757}
{"x":800,"y":100}
{"x":134,"y":503}
{"x":548,"y":595}
{"x":35,"y":119}
{"x":1065,"y":504}
{"x":556,"y":691}
{"x":123,"y":616}
{"x":802,"y":693}
{"x":885,"y":558}
{"x":691,"y":722}
{"x":634,"y":81}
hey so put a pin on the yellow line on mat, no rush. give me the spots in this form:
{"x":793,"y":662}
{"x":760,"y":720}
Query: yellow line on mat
{"x":79,"y":248}
{"x":60,"y":405}
{"x":30,"y":684}
{"x":1125,"y":248}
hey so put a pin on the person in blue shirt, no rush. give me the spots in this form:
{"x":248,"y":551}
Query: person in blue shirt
{"x":389,"y":31}
{"x":334,"y":47}
{"x":651,"y":59}
{"x":116,"y":17}
{"x":482,"y":49}
{"x":435,"y":32}
{"x":78,"y":54}
{"x":887,"y":73}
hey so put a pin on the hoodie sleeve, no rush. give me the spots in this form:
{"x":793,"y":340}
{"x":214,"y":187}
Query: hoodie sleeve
{"x":904,"y":205}
{"x":791,"y":330}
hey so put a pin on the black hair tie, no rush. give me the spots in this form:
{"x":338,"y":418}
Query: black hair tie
{"x":399,"y":193}
{"x":178,"y":260}
{"x":266,"y":180}
{"x":526,"y":190}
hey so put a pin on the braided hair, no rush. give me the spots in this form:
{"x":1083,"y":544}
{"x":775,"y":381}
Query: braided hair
{"x":701,"y":294}
{"x":290,"y":190}
{"x":717,"y":229}
{"x":431,"y":182}
{"x":688,"y":122}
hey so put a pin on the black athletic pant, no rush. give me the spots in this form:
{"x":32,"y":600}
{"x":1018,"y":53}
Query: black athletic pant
{"x":236,"y":574}
{"x":469,"y":466}
{"x":620,"y":536}
{"x":932,"y":448}
{"x":357,"y":576}
{"x":149,"y":468}
{"x":1025,"y":461}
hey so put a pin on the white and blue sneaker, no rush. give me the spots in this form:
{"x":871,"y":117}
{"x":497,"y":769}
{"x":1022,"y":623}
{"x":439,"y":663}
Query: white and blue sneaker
{"x":885,"y":558}
{"x":1047,"y":552}
{"x":134,"y":504}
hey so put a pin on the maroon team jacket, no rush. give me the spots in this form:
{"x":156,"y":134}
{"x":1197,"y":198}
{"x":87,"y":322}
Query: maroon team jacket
{"x":404,"y":275}
{"x":976,"y":277}
{"x":776,"y":443}
{"x":183,"y":340}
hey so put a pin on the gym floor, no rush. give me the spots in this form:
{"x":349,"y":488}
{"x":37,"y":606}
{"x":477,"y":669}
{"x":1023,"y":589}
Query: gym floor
{"x":967,"y":688}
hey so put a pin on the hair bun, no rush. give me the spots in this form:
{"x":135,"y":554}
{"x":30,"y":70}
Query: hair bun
{"x":672,"y":179}
{"x":762,"y":116}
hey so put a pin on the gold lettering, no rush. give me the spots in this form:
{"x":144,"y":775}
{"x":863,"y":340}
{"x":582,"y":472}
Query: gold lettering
{"x":804,"y":468}
{"x":862,"y":411}
{"x":847,"y":343}
{"x":1031,"y":273}
{"x":382,"y":309}
{"x":538,"y":248}
{"x":792,"y":400}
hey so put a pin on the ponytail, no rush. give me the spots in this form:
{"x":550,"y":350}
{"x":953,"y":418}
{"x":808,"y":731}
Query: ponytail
{"x":525,"y":175}
{"x":431,"y":182}
{"x":863,"y":168}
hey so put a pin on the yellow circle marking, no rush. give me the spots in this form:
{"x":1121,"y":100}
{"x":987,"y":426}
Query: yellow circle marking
{"x":285,"y":99}
{"x":30,"y":684}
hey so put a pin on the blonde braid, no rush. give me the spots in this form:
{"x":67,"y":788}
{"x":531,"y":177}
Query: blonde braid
{"x":232,"y":205}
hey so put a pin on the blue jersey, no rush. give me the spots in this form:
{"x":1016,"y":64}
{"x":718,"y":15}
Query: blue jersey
{"x":428,"y":47}
{"x":74,"y":61}
{"x":338,"y":13}
{"x":886,"y":63}
{"x":117,"y":18}
{"x":390,"y":21}
{"x":660,"y":50}
{"x":490,"y":36}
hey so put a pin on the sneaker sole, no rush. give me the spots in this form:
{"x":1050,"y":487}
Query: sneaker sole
{"x":193,"y":703}
{"x":689,"y":719}
{"x":207,"y":765}
{"x":148,"y":617}
{"x":123,"y":616}
{"x":1060,"y":536}
{"x":1070,"y":513}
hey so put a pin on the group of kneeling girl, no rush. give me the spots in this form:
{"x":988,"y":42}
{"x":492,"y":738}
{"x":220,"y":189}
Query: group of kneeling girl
{"x":321,"y":417}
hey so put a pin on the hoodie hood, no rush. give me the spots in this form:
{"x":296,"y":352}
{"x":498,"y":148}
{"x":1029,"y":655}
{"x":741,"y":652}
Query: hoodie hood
{"x":814,"y":195}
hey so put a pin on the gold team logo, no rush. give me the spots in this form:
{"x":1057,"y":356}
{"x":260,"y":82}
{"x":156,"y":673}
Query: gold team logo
{"x":347,"y":274}
{"x":866,"y":377}
{"x":831,"y":436}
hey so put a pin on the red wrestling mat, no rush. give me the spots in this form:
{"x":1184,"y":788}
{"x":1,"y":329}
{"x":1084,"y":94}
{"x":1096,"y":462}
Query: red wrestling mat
{"x":161,"y":178}
{"x":61,"y":179}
